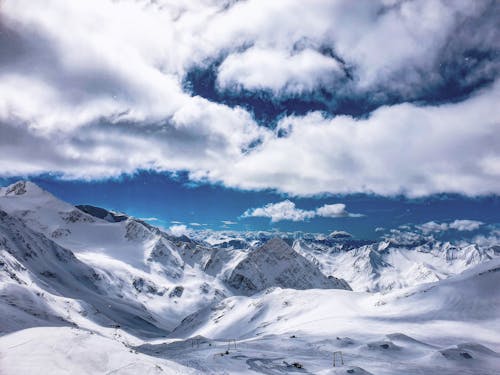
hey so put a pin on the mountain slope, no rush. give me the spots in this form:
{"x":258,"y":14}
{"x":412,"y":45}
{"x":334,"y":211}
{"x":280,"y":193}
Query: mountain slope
{"x":277,"y":264}
{"x":384,"y":266}
{"x":30,"y":258}
{"x":445,"y":327}
{"x":136,"y":261}
{"x":76,"y":352}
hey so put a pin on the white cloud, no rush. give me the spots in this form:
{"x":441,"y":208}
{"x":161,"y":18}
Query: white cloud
{"x":460,"y":225}
{"x":401,"y":149}
{"x":332,"y":210}
{"x":228,"y":222}
{"x":465,"y":225}
{"x":284,"y":73}
{"x":179,"y":230}
{"x":432,"y":226}
{"x":82,"y":81}
{"x":286,"y":210}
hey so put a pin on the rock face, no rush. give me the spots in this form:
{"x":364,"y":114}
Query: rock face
{"x":277,"y":264}
{"x":102,"y":213}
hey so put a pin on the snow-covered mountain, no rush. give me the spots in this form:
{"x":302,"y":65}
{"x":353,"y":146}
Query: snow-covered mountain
{"x":403,"y":257}
{"x":40,"y":271}
{"x":131,"y":297}
{"x":277,"y":264}
{"x":124,"y":260}
{"x":446,"y":327}
{"x":382,"y":266}
{"x":135,"y":262}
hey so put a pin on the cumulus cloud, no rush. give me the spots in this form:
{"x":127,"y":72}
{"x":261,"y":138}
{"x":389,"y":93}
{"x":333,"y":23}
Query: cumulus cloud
{"x":460,"y":225}
{"x":179,"y":230}
{"x":283,"y":74}
{"x":332,"y":210}
{"x":465,"y":225}
{"x":93,"y":89}
{"x":286,"y":210}
{"x":401,"y":149}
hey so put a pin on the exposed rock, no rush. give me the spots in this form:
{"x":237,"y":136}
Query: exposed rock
{"x":101,"y":213}
{"x":176,"y":292}
{"x":277,"y":264}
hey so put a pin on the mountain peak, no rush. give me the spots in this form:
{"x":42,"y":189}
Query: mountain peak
{"x":23,"y":187}
{"x":275,"y":243}
{"x":277,"y":264}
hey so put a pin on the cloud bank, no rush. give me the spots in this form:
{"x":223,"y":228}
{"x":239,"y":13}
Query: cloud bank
{"x":464,"y":225}
{"x":94,"y":89}
{"x":286,"y":210}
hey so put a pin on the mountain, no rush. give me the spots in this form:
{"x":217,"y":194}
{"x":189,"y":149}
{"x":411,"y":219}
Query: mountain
{"x":387,"y":265}
{"x":123,"y":267}
{"x":403,"y":257}
{"x":88,"y":290}
{"x":276,"y":264}
{"x":138,"y":265}
{"x":445,"y":327}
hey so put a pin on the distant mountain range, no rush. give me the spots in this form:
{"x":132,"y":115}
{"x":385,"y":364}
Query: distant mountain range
{"x":93,"y":269}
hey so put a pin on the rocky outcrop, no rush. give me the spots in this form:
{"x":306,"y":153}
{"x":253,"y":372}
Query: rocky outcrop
{"x":277,"y":264}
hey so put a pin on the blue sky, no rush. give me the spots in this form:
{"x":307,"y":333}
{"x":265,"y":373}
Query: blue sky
{"x":177,"y":201}
{"x":298,"y":116}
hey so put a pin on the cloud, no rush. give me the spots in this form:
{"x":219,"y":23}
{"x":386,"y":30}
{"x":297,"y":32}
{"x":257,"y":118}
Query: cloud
{"x":335,"y":210}
{"x":179,"y":230}
{"x":401,"y":149}
{"x":286,"y":210}
{"x":340,"y":234}
{"x":465,"y":225}
{"x":432,"y":226}
{"x":228,"y":222}
{"x":459,"y":225}
{"x":149,"y":218}
{"x":115,"y":79}
{"x":332,"y":210}
{"x":284,"y":74}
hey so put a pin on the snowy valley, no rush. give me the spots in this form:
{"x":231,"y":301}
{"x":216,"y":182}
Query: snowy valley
{"x":84,"y":290}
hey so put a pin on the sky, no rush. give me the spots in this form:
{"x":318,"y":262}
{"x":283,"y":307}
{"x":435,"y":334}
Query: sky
{"x":290,"y":115}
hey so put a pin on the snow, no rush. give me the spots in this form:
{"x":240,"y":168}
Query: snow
{"x":119,"y":252}
{"x":425,"y":329}
{"x":277,"y":264}
{"x":382,"y":267}
{"x":81,"y":294}
{"x":72,"y":351}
